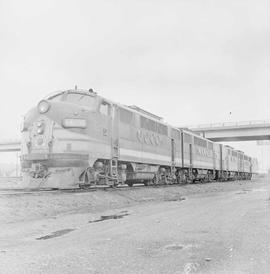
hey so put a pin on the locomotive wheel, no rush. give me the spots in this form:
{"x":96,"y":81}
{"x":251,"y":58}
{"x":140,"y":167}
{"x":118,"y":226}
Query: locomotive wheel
{"x":130,"y":184}
{"x":147,"y":183}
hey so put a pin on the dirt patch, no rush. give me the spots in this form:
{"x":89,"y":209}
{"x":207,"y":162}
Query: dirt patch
{"x":174,"y":199}
{"x":10,"y":182}
{"x":174,"y":247}
{"x":24,"y":206}
{"x":241,"y":192}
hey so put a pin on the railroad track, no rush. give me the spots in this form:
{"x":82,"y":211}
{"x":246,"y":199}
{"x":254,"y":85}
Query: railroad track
{"x":85,"y":190}
{"x":77,"y":190}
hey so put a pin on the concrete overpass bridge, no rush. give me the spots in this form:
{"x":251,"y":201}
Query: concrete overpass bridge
{"x":9,"y":146}
{"x":234,"y":131}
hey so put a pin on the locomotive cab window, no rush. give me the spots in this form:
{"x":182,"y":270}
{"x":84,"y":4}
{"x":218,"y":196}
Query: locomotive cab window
{"x":105,"y":108}
{"x":81,"y":99}
{"x":56,"y":98}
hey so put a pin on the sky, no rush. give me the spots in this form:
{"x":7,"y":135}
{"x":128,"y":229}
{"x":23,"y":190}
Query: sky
{"x":189,"y":61}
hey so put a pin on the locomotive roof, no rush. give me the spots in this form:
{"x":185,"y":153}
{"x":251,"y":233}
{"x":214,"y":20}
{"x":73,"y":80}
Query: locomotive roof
{"x":188,"y":131}
{"x":138,"y":109}
{"x":90,"y":92}
{"x":79,"y":91}
{"x":229,"y":147}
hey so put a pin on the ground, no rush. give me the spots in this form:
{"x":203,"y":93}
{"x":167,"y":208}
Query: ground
{"x":203,"y":228}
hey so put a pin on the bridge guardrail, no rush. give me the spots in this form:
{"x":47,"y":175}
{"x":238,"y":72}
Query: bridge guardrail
{"x":228,"y":124}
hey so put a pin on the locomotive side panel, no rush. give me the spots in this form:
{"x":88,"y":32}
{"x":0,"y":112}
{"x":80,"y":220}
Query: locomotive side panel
{"x":176,"y":137}
{"x":145,"y":142}
{"x":129,"y":147}
{"x":227,"y":155}
{"x":240,"y":161}
{"x":230,"y":168}
{"x":217,"y":155}
{"x":187,"y":145}
{"x":234,"y":160}
{"x":95,"y":143}
{"x":203,"y":154}
{"x":224,"y":163}
{"x":198,"y":152}
{"x":247,"y":164}
{"x":254,"y":165}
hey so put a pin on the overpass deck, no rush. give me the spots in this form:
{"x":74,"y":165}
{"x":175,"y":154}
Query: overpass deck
{"x":234,"y":131}
{"x":9,"y":146}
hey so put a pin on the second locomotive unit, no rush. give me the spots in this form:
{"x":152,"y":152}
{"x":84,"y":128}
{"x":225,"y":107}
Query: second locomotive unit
{"x":76,"y":138}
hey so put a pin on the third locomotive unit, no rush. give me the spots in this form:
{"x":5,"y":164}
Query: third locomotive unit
{"x":76,"y":138}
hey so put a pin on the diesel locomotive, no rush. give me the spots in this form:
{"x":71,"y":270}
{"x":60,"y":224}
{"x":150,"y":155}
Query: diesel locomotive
{"x":76,"y":138}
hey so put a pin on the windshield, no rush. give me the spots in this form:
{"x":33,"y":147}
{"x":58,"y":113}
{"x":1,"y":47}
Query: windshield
{"x":81,"y":99}
{"x":56,"y":97}
{"x":77,"y":98}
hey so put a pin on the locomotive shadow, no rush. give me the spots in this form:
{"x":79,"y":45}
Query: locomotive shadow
{"x":110,"y":217}
{"x":55,"y":234}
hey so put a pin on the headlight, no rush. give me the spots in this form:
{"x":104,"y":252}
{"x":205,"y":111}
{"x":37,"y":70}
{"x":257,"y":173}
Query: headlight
{"x":75,"y":123}
{"x":40,"y":130}
{"x":43,"y":106}
{"x":39,"y":124}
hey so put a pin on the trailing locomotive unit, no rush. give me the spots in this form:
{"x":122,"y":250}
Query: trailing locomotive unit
{"x":78,"y":138}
